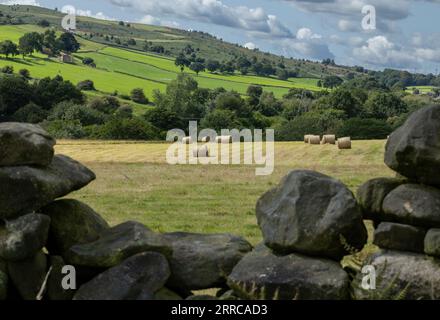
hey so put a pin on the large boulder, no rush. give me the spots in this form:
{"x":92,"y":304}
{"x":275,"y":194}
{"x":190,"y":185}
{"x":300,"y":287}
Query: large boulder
{"x":55,"y":290}
{"x":141,"y":275}
{"x":401,"y":237}
{"x":413,"y":150}
{"x":372,"y":193}
{"x":23,"y":237}
{"x":309,"y":213}
{"x":203,"y":261}
{"x":401,"y":275}
{"x":25,"y":144}
{"x":27,"y":189}
{"x":413,"y":204}
{"x":28,"y":275}
{"x":432,"y":243}
{"x":262,"y":274}
{"x":117,"y":244}
{"x":73,"y":222}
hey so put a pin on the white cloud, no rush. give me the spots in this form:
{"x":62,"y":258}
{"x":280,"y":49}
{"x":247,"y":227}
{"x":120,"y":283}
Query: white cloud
{"x":150,"y":20}
{"x":307,"y":34}
{"x":307,"y":44}
{"x":212,"y":11}
{"x":250,"y":46}
{"x":379,"y":51}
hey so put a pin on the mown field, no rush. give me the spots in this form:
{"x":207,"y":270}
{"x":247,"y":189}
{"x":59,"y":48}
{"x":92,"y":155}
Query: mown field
{"x":134,"y":182}
{"x":122,"y":70}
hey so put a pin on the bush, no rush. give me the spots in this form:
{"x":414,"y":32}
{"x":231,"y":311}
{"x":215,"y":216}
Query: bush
{"x":107,"y":105}
{"x":7,"y":70}
{"x":365,"y":129}
{"x":126,"y":129}
{"x":30,"y":113}
{"x":61,"y":129}
{"x":138,"y":96}
{"x":49,"y":92}
{"x":68,"y":111}
{"x":220,"y":119}
{"x":124,"y":111}
{"x":15,"y":93}
{"x":88,"y":61}
{"x":43,"y":23}
{"x":86,"y":85}
{"x":163,"y":119}
{"x":25,"y":73}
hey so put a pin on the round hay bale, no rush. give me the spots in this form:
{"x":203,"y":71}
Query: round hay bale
{"x":201,"y":152}
{"x":344,"y":143}
{"x":224,"y":139}
{"x":206,"y":139}
{"x":315,"y":140}
{"x":307,"y":138}
{"x":329,"y":139}
{"x":187,"y":140}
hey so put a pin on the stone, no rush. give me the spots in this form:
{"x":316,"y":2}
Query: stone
{"x":142,"y":273}
{"x":73,"y":222}
{"x":25,"y":144}
{"x":28,"y":275}
{"x":117,"y":244}
{"x":26,"y":189}
{"x":413,"y":150}
{"x":309,"y":213}
{"x":264,"y":275}
{"x":23,"y":237}
{"x":372,"y":193}
{"x":55,"y":290}
{"x":395,"y":236}
{"x":203,"y":261}
{"x":166,"y":294}
{"x":413,"y":204}
{"x":401,"y":275}
{"x":432,"y":243}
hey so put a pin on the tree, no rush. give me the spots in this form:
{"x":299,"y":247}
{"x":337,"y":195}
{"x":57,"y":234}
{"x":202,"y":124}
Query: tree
{"x":68,"y":43}
{"x":43,"y":23}
{"x":49,"y":92}
{"x":7,"y":70}
{"x":163,"y":119}
{"x":220,"y":119}
{"x":212,"y":65}
{"x":138,"y":96}
{"x":131,"y":42}
{"x":254,"y":92}
{"x":182,"y":62}
{"x":332,"y":82}
{"x":343,"y":100}
{"x":50,"y":41}
{"x":24,"y":73}
{"x":86,"y":85}
{"x":29,"y":43}
{"x":30,"y":113}
{"x":8,"y":48}
{"x":197,"y":67}
{"x":107,"y":104}
{"x":365,"y":129}
{"x":15,"y":93}
{"x":88,"y":61}
{"x":381,"y":105}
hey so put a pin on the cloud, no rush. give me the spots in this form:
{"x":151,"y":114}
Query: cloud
{"x":254,"y":20}
{"x":22,"y":2}
{"x":150,"y":20}
{"x":250,"y":45}
{"x":379,"y":51}
{"x":307,"y":44}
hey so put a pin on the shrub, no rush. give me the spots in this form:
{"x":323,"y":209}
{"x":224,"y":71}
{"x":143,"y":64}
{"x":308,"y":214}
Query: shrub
{"x":220,"y":119}
{"x":68,"y":111}
{"x":31,"y":113}
{"x":88,"y":61}
{"x":25,"y":73}
{"x":86,"y":85}
{"x":61,"y":129}
{"x":138,"y":96}
{"x":126,"y":129}
{"x":124,"y":111}
{"x":365,"y":129}
{"x":7,"y":70}
{"x":43,"y":23}
{"x":107,"y":104}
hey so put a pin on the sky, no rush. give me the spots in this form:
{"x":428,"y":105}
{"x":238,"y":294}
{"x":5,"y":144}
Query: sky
{"x":405,"y":35}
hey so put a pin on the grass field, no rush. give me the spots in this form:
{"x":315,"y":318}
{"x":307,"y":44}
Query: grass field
{"x":422,"y":89}
{"x":134,"y":182}
{"x":122,"y":70}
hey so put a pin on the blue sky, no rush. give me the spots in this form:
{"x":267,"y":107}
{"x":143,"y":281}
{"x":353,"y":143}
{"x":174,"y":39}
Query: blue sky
{"x":407,"y":34}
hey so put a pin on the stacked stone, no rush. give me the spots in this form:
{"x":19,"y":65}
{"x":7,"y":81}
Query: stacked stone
{"x":306,"y":222}
{"x":406,"y":210}
{"x":40,"y":235}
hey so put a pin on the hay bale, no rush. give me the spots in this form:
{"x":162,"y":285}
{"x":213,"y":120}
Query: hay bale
{"x":315,"y":140}
{"x":206,"y":139}
{"x":344,"y":143}
{"x":329,"y":139}
{"x":187,"y":140}
{"x":224,"y":139}
{"x":307,"y":138}
{"x":201,"y":152}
